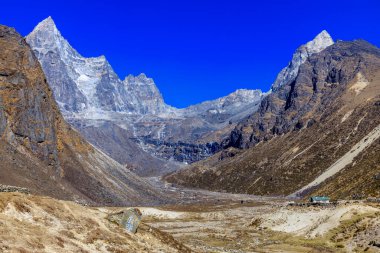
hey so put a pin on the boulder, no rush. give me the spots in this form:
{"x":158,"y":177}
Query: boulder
{"x":129,"y":219}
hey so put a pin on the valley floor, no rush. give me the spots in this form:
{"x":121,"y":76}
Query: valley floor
{"x":271,"y":227}
{"x":41,"y":224}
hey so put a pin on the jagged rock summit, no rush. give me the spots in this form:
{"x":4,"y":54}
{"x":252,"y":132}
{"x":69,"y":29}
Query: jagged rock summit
{"x":89,"y":86}
{"x":146,"y":95}
{"x":289,"y":73}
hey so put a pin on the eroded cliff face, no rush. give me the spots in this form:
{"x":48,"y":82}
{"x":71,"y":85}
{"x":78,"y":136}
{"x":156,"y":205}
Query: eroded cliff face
{"x":40,"y":151}
{"x":312,"y":135}
{"x":28,"y":116}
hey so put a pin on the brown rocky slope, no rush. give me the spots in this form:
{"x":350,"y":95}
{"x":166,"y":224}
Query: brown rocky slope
{"x":321,"y":130}
{"x":40,"y":151}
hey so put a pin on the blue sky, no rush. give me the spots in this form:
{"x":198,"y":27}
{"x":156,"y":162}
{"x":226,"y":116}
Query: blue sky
{"x":198,"y":50}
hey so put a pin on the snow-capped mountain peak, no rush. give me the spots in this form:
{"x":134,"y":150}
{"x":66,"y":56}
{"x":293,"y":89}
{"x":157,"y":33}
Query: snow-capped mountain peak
{"x":88,"y":86}
{"x":289,"y":73}
{"x":47,"y":24}
{"x":319,"y":43}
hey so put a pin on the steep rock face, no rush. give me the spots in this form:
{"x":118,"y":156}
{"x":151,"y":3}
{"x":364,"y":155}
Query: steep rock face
{"x":289,"y":73}
{"x":106,"y":110}
{"x":181,"y":151}
{"x":58,"y":73}
{"x":306,"y":130}
{"x":147,"y":98}
{"x":40,"y":151}
{"x":27,"y":115}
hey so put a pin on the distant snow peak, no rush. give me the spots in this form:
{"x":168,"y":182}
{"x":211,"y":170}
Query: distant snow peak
{"x":89,"y":85}
{"x":139,"y":80}
{"x":289,"y":73}
{"x":146,"y":96}
{"x":47,"y":23}
{"x":246,"y":93}
{"x":142,"y":76}
{"x":236,"y":103}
